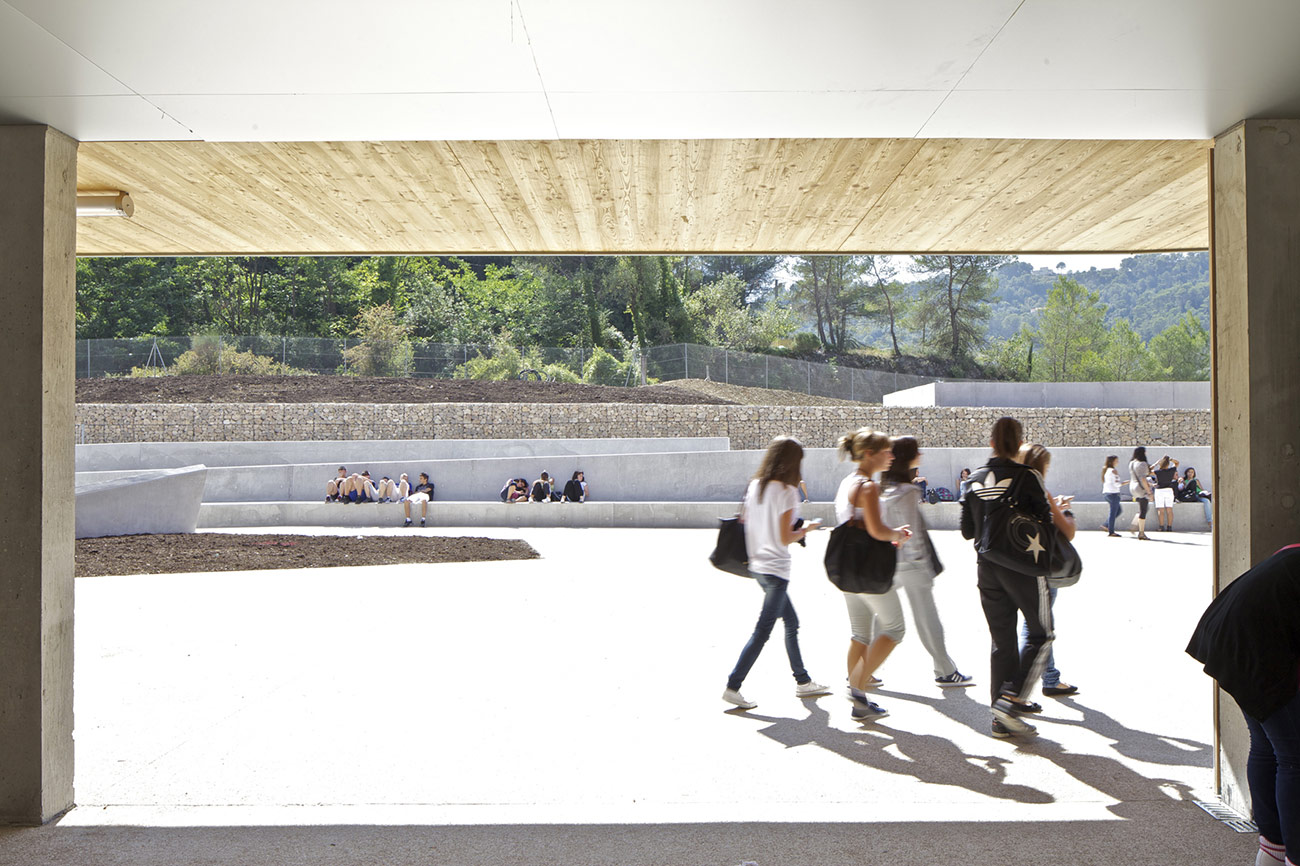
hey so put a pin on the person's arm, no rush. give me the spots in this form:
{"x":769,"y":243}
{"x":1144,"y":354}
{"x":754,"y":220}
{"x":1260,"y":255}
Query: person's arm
{"x":789,"y":535}
{"x":867,"y":497}
{"x":1063,"y":522}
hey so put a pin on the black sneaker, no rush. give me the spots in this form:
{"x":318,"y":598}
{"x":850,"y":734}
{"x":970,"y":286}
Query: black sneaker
{"x":1000,"y":730}
{"x":421,"y":522}
{"x":407,"y":524}
{"x":1005,"y":712}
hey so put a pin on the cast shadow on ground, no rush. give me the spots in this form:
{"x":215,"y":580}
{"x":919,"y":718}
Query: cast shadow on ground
{"x":1108,"y":776}
{"x":927,"y":758}
{"x":1140,"y":745}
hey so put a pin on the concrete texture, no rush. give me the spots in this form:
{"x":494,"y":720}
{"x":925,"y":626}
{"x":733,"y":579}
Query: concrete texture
{"x":381,"y":715}
{"x":943,"y":515}
{"x":1081,"y":395}
{"x":162,"y":455}
{"x":160,"y":501}
{"x":695,"y":476}
{"x":38,"y":173}
{"x":1256,"y":369}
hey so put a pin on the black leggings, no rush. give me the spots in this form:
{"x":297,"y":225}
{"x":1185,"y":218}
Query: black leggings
{"x":1142,"y":502}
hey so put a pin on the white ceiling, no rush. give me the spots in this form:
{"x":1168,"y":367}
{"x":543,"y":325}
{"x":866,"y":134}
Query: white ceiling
{"x":339,"y":70}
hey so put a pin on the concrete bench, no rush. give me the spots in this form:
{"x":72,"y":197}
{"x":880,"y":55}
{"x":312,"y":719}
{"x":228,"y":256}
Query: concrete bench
{"x":651,"y":514}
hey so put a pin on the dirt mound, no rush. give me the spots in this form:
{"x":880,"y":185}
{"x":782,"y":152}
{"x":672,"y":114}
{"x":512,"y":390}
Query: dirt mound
{"x":745,"y":396}
{"x":210,"y":551}
{"x":358,"y":389}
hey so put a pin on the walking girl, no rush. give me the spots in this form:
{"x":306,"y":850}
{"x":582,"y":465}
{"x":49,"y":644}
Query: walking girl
{"x":1110,"y":489}
{"x":917,"y":565}
{"x":1004,"y":592}
{"x":769,"y":513}
{"x":875,"y":621}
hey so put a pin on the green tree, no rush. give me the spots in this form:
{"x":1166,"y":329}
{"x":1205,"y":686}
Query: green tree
{"x":833,"y":290}
{"x":1182,"y":351}
{"x":722,"y":318}
{"x":953,"y":300}
{"x":1126,"y":357}
{"x":1069,"y":327}
{"x":1011,"y":357}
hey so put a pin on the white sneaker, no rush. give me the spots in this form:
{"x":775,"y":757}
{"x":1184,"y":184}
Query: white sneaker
{"x":810,"y":689}
{"x":732,"y":696}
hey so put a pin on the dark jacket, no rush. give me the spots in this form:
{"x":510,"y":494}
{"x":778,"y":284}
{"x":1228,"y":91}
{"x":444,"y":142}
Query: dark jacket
{"x":1249,"y":637}
{"x":983,"y":494}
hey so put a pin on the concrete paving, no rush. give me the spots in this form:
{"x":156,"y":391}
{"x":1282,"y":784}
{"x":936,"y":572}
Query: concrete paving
{"x":566,"y":710}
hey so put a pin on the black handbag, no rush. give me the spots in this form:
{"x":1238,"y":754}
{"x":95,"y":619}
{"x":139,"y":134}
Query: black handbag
{"x":1018,"y":541}
{"x":729,"y":554}
{"x":856,"y":562}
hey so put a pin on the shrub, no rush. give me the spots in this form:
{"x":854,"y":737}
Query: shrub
{"x":805,"y":342}
{"x":560,"y":373}
{"x":602,"y":368}
{"x":384,"y":349}
{"x":210,"y":358}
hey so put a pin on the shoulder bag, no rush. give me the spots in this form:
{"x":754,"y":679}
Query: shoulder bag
{"x":1016,"y":540}
{"x":856,"y":562}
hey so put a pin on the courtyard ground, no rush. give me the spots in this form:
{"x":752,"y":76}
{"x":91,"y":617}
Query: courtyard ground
{"x":566,"y":710}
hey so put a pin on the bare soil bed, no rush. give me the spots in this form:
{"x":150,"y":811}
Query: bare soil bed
{"x":359,"y":389}
{"x":209,"y":551}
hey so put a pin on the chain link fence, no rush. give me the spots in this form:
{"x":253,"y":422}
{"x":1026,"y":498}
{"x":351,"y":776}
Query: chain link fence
{"x":325,"y":356}
{"x":690,"y":361}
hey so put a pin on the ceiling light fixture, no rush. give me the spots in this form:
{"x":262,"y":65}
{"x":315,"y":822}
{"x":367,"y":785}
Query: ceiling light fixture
{"x":115,"y":203}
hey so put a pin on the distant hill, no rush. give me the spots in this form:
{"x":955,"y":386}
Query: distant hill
{"x":1152,"y":291}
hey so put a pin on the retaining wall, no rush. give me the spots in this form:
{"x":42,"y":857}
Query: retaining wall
{"x":747,"y":427}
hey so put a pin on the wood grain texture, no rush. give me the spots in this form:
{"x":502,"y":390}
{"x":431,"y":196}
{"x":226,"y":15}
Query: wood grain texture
{"x":618,"y":196}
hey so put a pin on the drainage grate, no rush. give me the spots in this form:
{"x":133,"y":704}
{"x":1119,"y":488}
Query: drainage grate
{"x":1220,"y":812}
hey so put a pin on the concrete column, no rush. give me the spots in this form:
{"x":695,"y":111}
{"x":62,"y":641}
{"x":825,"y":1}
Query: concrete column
{"x":38,"y":173}
{"x":1256,"y":304}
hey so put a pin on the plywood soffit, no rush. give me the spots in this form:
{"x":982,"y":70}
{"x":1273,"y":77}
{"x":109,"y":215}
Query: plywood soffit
{"x":609,"y":196}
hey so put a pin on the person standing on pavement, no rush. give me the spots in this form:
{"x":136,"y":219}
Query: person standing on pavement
{"x":1139,"y":487}
{"x":1249,"y":641}
{"x":1166,"y":474}
{"x":769,"y":512}
{"x":1110,"y":490}
{"x":1013,"y":670}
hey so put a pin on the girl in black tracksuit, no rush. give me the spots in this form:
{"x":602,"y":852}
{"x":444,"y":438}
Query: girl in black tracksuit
{"x":1003,"y":592}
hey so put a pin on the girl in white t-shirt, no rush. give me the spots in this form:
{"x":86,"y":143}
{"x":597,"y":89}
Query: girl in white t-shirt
{"x":769,"y":513}
{"x":858,"y":501}
{"x":1110,"y":489}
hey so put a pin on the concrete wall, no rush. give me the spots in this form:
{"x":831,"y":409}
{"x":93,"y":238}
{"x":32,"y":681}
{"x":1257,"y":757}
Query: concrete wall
{"x":697,"y":476}
{"x":746,"y":427}
{"x":160,"y":455}
{"x":1082,"y":395}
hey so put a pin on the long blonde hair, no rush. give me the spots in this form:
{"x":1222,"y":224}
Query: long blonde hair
{"x":782,"y":462}
{"x":1035,"y":456}
{"x":861,"y":442}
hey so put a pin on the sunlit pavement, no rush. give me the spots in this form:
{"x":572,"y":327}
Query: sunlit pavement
{"x":567,"y":710}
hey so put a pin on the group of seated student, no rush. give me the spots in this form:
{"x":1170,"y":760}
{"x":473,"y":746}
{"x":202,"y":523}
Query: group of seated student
{"x":544,"y":489}
{"x":360,"y":488}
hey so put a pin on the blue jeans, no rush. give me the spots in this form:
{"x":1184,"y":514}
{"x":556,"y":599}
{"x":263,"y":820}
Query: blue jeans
{"x":1209,"y":510}
{"x":1273,"y":773}
{"x":776,"y":603}
{"x":1113,"y":499}
{"x":1051,"y":676}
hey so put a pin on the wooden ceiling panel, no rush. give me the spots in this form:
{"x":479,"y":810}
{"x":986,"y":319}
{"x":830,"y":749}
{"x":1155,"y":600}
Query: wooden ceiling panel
{"x":610,"y":196}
